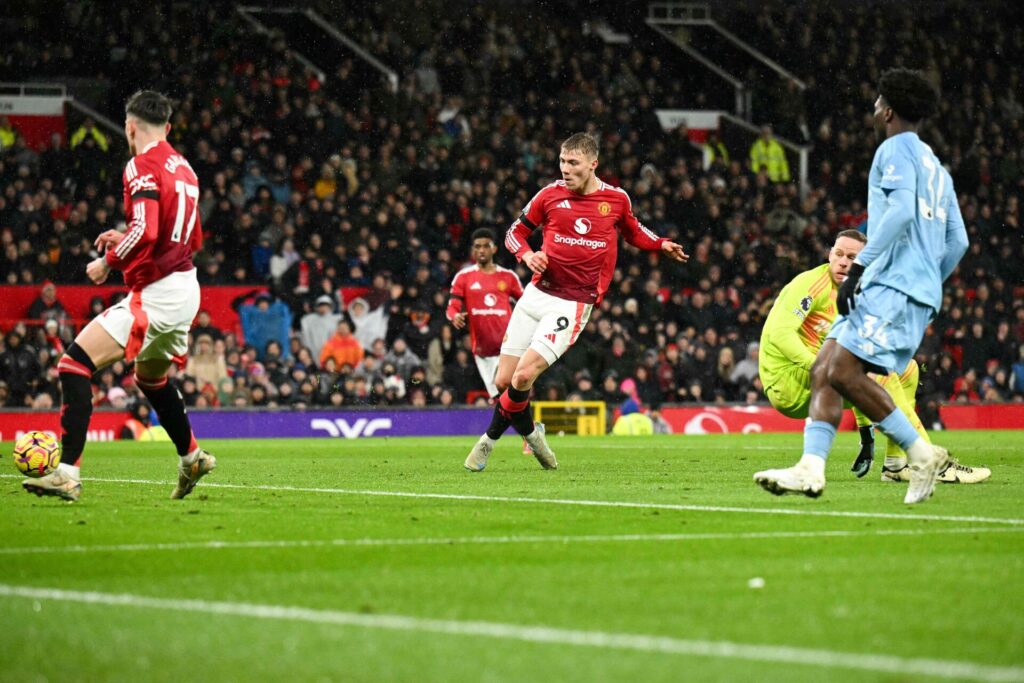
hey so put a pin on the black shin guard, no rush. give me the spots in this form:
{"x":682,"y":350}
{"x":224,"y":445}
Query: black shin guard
{"x":75,"y":370}
{"x":521,"y":419}
{"x":500,"y":421}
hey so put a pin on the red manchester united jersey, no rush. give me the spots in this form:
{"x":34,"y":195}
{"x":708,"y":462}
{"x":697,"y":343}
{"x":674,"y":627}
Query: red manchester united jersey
{"x":161,"y":194}
{"x":580,"y":238}
{"x":485,"y":297}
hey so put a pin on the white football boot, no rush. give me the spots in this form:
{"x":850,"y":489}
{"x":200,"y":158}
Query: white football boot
{"x":190,"y":473}
{"x":955,"y":473}
{"x":923,"y":475}
{"x":541,"y":450}
{"x":57,"y":483}
{"x":476,"y":461}
{"x":800,"y":478}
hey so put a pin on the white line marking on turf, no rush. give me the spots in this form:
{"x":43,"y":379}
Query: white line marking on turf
{"x":721,"y":649}
{"x":487,"y":540}
{"x":595,"y":503}
{"x":585,"y":503}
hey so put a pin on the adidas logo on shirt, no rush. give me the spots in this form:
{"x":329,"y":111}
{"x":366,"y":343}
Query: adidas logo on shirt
{"x":564,"y":204}
{"x":475,"y":285}
{"x":550,"y":337}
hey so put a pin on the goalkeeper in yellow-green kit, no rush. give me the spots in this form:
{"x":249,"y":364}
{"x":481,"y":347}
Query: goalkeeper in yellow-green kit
{"x":797,"y":325}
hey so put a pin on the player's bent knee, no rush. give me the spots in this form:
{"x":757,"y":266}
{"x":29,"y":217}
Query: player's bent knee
{"x":524,"y":378}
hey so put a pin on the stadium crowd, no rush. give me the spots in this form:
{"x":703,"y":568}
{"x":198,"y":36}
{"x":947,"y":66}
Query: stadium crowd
{"x":311,"y":186}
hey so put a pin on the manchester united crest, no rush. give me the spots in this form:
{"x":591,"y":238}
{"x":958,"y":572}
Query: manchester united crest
{"x":502,"y":286}
{"x":604,"y":208}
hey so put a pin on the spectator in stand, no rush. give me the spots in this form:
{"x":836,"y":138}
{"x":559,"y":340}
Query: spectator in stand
{"x":1016,"y":381}
{"x":42,"y":402}
{"x":46,"y":306}
{"x":746,"y":371}
{"x":285,"y":257}
{"x":343,"y":347}
{"x":420,"y":330}
{"x":402,"y":359}
{"x":441,"y":354}
{"x":206,"y":364}
{"x":647,"y":391}
{"x":461,"y":375}
{"x":7,"y":134}
{"x":204,"y":325}
{"x":724,"y":389}
{"x":715,"y":151}
{"x":137,"y":426}
{"x":965,"y":388}
{"x":977,"y":349}
{"x":319,"y":326}
{"x":370,"y":325}
{"x":766,"y":154}
{"x":117,"y":398}
{"x":19,"y":369}
{"x":88,"y":130}
{"x":264,"y":321}
{"x":52,"y":341}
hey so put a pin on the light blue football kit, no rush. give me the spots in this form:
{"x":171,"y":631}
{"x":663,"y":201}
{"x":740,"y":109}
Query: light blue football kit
{"x":916,"y":236}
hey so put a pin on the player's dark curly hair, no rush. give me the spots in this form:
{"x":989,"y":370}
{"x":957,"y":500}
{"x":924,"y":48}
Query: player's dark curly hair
{"x":482,"y":233}
{"x":149,"y":106}
{"x":909,"y":93}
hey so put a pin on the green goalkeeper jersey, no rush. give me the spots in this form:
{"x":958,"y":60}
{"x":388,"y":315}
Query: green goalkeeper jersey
{"x":799,"y":321}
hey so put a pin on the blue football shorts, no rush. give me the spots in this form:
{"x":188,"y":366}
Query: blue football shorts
{"x":885,"y":328}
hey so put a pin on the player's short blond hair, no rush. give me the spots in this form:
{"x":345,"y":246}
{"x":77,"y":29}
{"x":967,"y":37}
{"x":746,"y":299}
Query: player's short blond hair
{"x":581,"y":142}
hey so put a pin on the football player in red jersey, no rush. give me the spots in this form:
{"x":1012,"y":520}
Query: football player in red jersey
{"x":481,"y":299}
{"x":150,"y":326}
{"x":581,"y":217}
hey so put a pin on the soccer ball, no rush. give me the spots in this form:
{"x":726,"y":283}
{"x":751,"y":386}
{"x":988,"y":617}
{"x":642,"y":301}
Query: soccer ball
{"x":36,"y":454}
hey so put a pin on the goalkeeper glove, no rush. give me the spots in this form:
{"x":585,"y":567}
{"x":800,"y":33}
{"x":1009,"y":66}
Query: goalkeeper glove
{"x":849,"y":290}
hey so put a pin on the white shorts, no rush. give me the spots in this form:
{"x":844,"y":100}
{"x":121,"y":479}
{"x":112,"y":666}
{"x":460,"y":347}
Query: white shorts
{"x":545,"y":323}
{"x":488,"y":367}
{"x":153,"y":324}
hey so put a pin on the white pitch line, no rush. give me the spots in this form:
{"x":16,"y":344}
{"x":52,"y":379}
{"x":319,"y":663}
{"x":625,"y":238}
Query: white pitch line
{"x":593,"y":503}
{"x":718,"y":649}
{"x":490,"y":540}
{"x":584,"y":503}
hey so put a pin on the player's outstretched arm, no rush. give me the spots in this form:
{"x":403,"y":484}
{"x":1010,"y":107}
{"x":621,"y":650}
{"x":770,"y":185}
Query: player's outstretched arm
{"x":674,"y":251}
{"x":108,"y":240}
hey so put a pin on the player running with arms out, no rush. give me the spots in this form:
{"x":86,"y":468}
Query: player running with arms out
{"x":151,"y":325}
{"x":892,"y":291}
{"x":795,"y":330}
{"x":581,"y":218}
{"x":480,"y":300}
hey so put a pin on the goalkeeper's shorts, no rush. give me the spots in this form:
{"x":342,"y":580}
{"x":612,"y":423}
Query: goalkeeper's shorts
{"x":788,"y":389}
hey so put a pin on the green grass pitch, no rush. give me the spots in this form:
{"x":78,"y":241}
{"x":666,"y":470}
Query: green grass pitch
{"x":640,"y":559}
